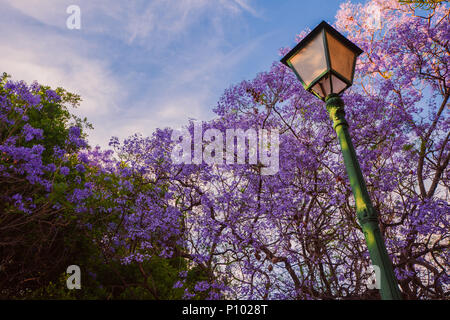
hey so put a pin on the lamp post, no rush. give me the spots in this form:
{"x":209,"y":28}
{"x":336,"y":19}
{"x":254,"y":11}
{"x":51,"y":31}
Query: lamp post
{"x":324,"y":61}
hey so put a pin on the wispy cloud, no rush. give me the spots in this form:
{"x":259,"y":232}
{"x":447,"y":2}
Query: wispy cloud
{"x":31,"y":52}
{"x":137,"y":64}
{"x":134,"y":19}
{"x":245,"y":4}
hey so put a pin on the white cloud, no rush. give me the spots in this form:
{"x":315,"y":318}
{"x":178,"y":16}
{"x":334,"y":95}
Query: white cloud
{"x":142,"y":20}
{"x":166,"y":20}
{"x":54,"y":62}
{"x":38,"y":47}
{"x":39,"y":52}
{"x":245,"y":4}
{"x":48,"y":12}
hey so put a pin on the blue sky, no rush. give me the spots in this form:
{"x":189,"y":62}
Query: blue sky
{"x":138,"y":64}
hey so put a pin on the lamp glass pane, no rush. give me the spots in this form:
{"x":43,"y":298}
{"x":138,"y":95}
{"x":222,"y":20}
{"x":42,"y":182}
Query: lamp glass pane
{"x":323,"y":87}
{"x":310,"y":61}
{"x":341,"y":57}
{"x":318,"y":89}
{"x":338,"y":84}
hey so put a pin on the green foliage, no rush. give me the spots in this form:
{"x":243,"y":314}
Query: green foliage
{"x":58,"y":234}
{"x":54,"y":118}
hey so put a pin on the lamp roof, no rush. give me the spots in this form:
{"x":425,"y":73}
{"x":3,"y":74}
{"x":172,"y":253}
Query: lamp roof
{"x":313,"y":33}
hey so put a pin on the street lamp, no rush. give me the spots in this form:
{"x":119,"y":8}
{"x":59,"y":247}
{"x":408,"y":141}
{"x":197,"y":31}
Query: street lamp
{"x":324,"y":61}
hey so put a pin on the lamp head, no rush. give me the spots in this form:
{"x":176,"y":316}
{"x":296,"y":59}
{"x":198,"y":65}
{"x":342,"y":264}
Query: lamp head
{"x":324,"y":61}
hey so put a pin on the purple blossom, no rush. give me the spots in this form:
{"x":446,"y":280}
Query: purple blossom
{"x":31,"y":133}
{"x":80,"y":168}
{"x":64,"y":171}
{"x":201,"y":286}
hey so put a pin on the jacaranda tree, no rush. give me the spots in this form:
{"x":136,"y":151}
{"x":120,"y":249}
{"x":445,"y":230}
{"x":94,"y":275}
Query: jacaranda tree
{"x":294,"y":234}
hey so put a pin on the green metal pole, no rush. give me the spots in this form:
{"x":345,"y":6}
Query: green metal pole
{"x":367,"y":216}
